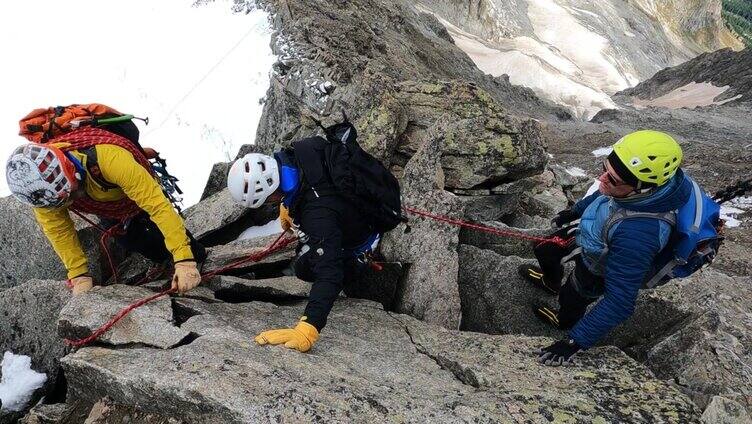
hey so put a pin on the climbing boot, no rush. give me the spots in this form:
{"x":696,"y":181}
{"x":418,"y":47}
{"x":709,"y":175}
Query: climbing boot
{"x":547,"y":314}
{"x":534,"y":275}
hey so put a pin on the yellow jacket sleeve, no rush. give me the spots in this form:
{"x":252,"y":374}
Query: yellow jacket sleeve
{"x":58,"y":226}
{"x":119,"y":167}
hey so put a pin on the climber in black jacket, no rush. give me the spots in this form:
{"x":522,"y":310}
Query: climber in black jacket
{"x":334,"y":236}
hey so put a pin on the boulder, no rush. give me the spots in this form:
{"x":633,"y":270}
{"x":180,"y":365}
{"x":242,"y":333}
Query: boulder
{"x":481,"y":144}
{"x":429,"y":289}
{"x":106,"y":412}
{"x":725,"y":411}
{"x":28,"y":317}
{"x":217,"y":179}
{"x":495,"y":299}
{"x":150,"y":324}
{"x":487,"y":207}
{"x":696,"y":331}
{"x":413,"y":372}
{"x":515,"y":244}
{"x":56,"y":413}
{"x":214,"y":213}
{"x":540,"y":198}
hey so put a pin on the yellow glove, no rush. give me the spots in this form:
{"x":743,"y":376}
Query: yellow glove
{"x":300,"y":338}
{"x":284,"y":218}
{"x":81,"y":284}
{"x":186,"y":276}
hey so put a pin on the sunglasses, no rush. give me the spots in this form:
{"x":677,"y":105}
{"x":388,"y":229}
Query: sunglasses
{"x":611,"y":179}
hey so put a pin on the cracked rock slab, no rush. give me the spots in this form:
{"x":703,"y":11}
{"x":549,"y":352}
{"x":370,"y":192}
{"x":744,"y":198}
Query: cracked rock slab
{"x":604,"y":386}
{"x":368,"y":366}
{"x":150,"y":324}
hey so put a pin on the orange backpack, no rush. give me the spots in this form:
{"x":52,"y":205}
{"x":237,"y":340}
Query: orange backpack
{"x":42,"y":125}
{"x":86,"y":126}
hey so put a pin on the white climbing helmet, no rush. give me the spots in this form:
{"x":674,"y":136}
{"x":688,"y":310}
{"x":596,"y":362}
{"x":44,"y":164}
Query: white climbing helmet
{"x":252,"y":179}
{"x":41,"y":176}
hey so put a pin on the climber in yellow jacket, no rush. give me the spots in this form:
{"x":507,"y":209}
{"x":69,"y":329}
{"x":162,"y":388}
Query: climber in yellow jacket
{"x":54,"y":179}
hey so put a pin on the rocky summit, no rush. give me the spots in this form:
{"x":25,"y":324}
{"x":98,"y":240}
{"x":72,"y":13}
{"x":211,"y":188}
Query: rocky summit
{"x":445,"y":332}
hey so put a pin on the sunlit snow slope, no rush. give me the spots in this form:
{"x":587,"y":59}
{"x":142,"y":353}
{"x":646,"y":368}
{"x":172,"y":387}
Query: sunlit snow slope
{"x":579,"y":52}
{"x":197,"y":72}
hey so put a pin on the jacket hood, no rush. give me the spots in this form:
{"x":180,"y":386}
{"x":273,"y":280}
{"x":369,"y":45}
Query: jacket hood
{"x":671,"y":196}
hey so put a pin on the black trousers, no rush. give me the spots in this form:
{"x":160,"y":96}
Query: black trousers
{"x":143,"y":236}
{"x":582,"y":286}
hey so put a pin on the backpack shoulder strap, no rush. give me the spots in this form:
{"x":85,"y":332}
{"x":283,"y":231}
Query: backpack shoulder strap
{"x":93,"y":170}
{"x":622,"y":214}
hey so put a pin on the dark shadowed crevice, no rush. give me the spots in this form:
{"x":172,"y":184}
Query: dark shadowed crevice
{"x":190,"y":338}
{"x":245,"y":295}
{"x":260,"y":271}
{"x":59,"y":390}
{"x":182,"y":313}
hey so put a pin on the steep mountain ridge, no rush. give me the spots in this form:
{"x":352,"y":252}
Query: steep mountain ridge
{"x":579,"y":53}
{"x":466,"y":145}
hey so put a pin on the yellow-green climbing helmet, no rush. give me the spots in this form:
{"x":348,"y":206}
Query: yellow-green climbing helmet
{"x":651,"y":156}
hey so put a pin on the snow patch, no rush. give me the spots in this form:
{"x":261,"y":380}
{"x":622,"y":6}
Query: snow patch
{"x":547,"y":73}
{"x":272,"y":227}
{"x":602,"y":151}
{"x":689,"y":96}
{"x":576,"y":172}
{"x":19,"y":381}
{"x":731,"y":211}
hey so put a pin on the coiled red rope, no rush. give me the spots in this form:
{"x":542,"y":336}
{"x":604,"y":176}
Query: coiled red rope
{"x":279,"y":244}
{"x":491,"y":230}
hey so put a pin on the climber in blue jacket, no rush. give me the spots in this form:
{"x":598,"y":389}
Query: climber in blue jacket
{"x":613,"y":257}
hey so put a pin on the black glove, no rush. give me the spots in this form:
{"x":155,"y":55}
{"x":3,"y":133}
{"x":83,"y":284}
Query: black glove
{"x":564,"y":217}
{"x":559,"y":353}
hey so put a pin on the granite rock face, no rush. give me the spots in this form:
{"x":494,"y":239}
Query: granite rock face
{"x":495,"y":298}
{"x":413,"y":372}
{"x":28,"y":317}
{"x":696,"y":332}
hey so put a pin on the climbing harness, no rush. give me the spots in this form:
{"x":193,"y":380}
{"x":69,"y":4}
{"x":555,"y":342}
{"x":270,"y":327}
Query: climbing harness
{"x":741,"y":188}
{"x":279,"y":244}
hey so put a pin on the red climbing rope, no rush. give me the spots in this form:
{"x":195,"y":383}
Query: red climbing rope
{"x":120,"y":315}
{"x":107,"y":233}
{"x":281,"y":243}
{"x":278,"y":244}
{"x":486,"y":229}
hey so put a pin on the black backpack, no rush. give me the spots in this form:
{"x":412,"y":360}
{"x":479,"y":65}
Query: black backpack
{"x":352,"y":173}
